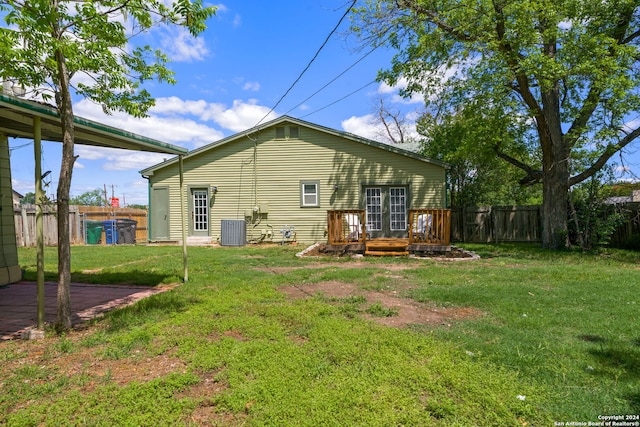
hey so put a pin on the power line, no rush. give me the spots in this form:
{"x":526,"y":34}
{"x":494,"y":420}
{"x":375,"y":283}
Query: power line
{"x":20,"y":146}
{"x":310,"y":62}
{"x":338,"y":100}
{"x":332,"y":80}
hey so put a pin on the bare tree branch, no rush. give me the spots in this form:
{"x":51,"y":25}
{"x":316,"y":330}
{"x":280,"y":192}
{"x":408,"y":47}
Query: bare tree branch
{"x":609,"y":151}
{"x":533,"y":176}
{"x":435,"y":18}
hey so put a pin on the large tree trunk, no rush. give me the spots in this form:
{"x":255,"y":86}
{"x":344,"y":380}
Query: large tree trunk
{"x":555,"y":173}
{"x":555,"y":191}
{"x":555,"y":165}
{"x":63,"y":99}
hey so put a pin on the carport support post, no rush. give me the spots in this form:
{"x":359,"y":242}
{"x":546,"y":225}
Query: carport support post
{"x":37,"y":151}
{"x":182,"y":214}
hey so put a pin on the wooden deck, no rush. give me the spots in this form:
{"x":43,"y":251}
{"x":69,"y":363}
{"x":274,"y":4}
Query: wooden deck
{"x":387,"y":247}
{"x":428,"y":232}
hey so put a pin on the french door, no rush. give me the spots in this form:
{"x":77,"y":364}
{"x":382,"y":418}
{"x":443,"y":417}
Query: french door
{"x":386,"y":210}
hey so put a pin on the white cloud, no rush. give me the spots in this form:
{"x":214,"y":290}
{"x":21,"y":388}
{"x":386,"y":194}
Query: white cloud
{"x":362,"y":126}
{"x":369,"y":127}
{"x":252,"y":86}
{"x":181,"y":46}
{"x":119,"y":160}
{"x":392,"y":91}
{"x":173,"y":129}
{"x":565,"y":25}
{"x":622,"y":169}
{"x":221,"y":8}
{"x":137,"y":160}
{"x":181,"y":122}
{"x":23,"y":187}
{"x":242,"y":115}
{"x":237,"y":20}
{"x":175,"y":106}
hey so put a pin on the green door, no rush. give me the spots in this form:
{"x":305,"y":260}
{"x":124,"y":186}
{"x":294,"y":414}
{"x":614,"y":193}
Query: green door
{"x":159,"y":214}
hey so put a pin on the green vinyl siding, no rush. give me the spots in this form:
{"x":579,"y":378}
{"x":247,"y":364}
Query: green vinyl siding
{"x":257,"y":170}
{"x":9,"y":268}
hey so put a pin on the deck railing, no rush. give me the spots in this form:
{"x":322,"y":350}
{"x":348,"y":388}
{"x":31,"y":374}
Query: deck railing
{"x":426,"y":226}
{"x":346,"y":226}
{"x":430,"y":226}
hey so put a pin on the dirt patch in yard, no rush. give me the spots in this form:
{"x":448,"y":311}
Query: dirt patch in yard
{"x":88,"y":363}
{"x":405,"y":311}
{"x":319,"y":265}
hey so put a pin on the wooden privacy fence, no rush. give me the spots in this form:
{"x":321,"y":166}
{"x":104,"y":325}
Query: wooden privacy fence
{"x":524,"y":224}
{"x":629,"y":230}
{"x":496,"y":224}
{"x":79,"y":218}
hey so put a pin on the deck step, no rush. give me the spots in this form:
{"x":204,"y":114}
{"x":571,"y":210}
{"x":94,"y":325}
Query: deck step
{"x":386,"y":253}
{"x":386,"y":247}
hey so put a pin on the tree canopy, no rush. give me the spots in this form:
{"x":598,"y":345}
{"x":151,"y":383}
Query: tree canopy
{"x":564,"y":72}
{"x":58,"y":49}
{"x":465,"y":141}
{"x":90,"y":198}
{"x":94,"y":42}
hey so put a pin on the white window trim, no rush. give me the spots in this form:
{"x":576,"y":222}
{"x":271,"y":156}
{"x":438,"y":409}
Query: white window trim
{"x":404,"y":205}
{"x":303,"y":195}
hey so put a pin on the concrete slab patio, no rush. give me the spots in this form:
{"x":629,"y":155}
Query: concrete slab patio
{"x":18,"y":303}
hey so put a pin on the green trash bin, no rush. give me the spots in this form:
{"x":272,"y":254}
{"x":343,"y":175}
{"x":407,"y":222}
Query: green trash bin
{"x":93,"y":232}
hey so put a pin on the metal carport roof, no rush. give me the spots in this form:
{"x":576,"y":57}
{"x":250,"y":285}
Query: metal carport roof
{"x":16,"y":120}
{"x":34,"y":120}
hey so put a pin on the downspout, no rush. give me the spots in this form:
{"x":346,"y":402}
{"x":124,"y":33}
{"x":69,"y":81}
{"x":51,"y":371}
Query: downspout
{"x":182,"y":215}
{"x":446,"y":188}
{"x":255,"y":173}
{"x":149,"y":231}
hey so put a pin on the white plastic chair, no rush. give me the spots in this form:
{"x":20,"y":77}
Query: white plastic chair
{"x":354,"y":227}
{"x":424,"y":225}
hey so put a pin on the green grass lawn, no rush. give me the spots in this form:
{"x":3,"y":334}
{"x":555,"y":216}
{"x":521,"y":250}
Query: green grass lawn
{"x":558,"y":341}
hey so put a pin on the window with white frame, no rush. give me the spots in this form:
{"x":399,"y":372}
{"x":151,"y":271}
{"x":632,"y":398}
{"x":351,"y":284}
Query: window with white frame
{"x":373,"y":204}
{"x":310,"y":193}
{"x":398,"y":208}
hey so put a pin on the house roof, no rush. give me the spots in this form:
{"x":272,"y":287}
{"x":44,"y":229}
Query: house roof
{"x":16,"y":120}
{"x":288,"y":119}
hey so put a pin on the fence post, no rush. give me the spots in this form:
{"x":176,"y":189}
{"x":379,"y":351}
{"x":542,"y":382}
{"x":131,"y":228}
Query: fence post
{"x":26,"y":239}
{"x":494,"y":225}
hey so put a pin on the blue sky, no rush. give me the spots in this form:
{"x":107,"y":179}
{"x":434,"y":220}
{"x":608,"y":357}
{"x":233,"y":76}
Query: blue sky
{"x":228,"y":80}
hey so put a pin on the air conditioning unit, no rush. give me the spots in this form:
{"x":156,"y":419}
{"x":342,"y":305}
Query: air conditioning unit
{"x":233,"y":232}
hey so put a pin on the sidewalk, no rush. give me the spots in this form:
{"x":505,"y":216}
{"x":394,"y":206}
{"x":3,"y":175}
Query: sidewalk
{"x":18,"y":303}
